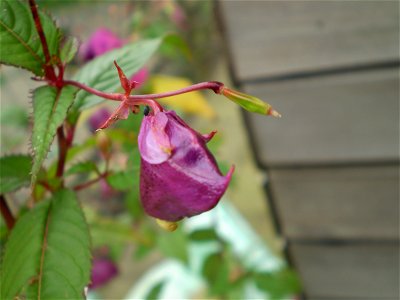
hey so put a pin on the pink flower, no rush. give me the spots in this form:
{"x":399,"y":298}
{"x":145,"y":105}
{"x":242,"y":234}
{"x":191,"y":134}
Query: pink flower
{"x":98,"y":118}
{"x":179,"y":175}
{"x":103,"y":270}
{"x":100,"y":42}
{"x":179,"y":17}
{"x":140,"y":77}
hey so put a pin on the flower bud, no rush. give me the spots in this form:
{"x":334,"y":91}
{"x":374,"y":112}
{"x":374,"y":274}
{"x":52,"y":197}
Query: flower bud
{"x":179,"y":176}
{"x":249,"y":103}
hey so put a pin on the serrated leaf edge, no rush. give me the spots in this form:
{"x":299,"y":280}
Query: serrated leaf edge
{"x":59,"y":91}
{"x":43,"y":62}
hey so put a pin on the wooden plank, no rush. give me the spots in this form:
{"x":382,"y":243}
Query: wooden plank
{"x":329,"y":119}
{"x":270,"y":38}
{"x":344,"y":203}
{"x":350,"y":271}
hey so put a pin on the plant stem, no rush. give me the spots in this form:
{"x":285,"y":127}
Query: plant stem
{"x":110,"y":96}
{"x":45,"y":185}
{"x":49,"y":71}
{"x":6,"y":213}
{"x":62,"y":151}
{"x":90,"y":182}
{"x":210,"y":85}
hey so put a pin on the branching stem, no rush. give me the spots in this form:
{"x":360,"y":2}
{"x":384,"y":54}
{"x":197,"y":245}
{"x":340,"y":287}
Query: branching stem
{"x":90,"y":182}
{"x":210,"y":85}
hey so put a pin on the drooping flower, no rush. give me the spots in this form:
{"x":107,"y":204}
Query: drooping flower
{"x":179,"y":175}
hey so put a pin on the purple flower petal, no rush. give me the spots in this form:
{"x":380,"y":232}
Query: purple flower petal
{"x":187,"y":181}
{"x":154,"y":142}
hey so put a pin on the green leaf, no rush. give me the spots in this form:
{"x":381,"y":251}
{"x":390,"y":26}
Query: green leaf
{"x":87,"y":145}
{"x":121,"y":181}
{"x":14,"y":172}
{"x":112,"y":231}
{"x":132,"y":203}
{"x":216,"y":272}
{"x":278,"y":285}
{"x":50,"y":107}
{"x":47,"y":255}
{"x":236,"y":290}
{"x":19,"y":41}
{"x":204,"y":235}
{"x":101,"y":74}
{"x":144,"y":249}
{"x":69,"y":49}
{"x":174,"y":245}
{"x":3,"y":231}
{"x":141,"y":251}
{"x":155,"y":291}
{"x":14,"y":116}
{"x":82,"y":167}
{"x":176,"y":42}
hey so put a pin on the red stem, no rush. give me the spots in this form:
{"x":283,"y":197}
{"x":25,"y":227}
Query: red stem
{"x":210,"y":85}
{"x":70,"y":134}
{"x":49,"y":71}
{"x":46,"y":185}
{"x":62,"y":151}
{"x":110,"y":96}
{"x":89,"y":183}
{"x":6,"y":213}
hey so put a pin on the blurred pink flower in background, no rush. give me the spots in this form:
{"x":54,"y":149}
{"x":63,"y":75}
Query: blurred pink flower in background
{"x":100,"y":42}
{"x":106,"y":190}
{"x":103,"y":270}
{"x":140,"y":77}
{"x":98,"y":118}
{"x":179,"y":16}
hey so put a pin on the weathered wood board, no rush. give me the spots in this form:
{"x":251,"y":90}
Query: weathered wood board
{"x":272,"y":38}
{"x":338,"y":202}
{"x":351,"y":117}
{"x":348,"y":271}
{"x":331,"y":69}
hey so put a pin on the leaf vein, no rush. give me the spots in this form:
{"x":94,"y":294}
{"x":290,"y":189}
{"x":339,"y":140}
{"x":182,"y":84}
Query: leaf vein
{"x":18,"y":38}
{"x":43,"y":252}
